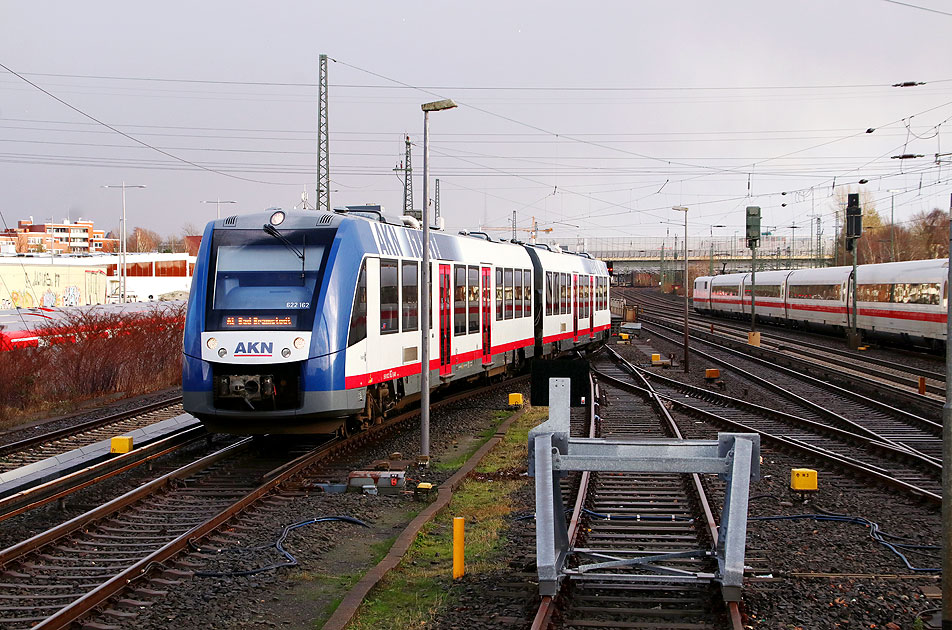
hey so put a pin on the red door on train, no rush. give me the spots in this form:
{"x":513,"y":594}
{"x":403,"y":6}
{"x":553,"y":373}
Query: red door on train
{"x":575,"y":306}
{"x":591,"y":306}
{"x":446,"y":322}
{"x":487,"y":316}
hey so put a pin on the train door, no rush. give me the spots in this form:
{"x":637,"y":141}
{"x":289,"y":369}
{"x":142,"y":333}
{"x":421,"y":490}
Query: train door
{"x":591,"y":306}
{"x":487,"y":317}
{"x":575,"y":306}
{"x":446,"y":322}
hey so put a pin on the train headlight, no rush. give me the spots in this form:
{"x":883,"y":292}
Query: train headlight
{"x":222,"y":352}
{"x":286,"y":353}
{"x":299,"y":343}
{"x":212,"y":343}
{"x":277,"y":218}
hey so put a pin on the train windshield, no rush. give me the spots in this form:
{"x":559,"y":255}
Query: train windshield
{"x":259,"y":281}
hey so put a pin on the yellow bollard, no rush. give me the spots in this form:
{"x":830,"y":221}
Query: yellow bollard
{"x":459,"y":546}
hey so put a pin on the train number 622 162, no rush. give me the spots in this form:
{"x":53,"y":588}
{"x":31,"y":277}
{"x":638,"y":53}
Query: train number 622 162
{"x":298,"y":305}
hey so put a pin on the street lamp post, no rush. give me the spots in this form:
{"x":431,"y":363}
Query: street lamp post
{"x":123,"y":243}
{"x":685,"y":283}
{"x":218,"y":203}
{"x":425,"y":291}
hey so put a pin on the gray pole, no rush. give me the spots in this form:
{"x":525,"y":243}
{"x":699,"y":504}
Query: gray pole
{"x":686,"y":284}
{"x":753,"y":274}
{"x":855,"y":252}
{"x":425,"y":282}
{"x":124,"y":248}
{"x":425,"y":298}
{"x":892,"y":229}
{"x":947,"y":461}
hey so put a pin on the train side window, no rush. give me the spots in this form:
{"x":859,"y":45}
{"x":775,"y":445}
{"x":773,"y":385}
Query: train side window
{"x":507,"y":285}
{"x":526,"y":293}
{"x":358,"y":313}
{"x":473,"y":299}
{"x":498,"y":294}
{"x":563,"y":302}
{"x":389,"y":297}
{"x":517,"y":293}
{"x":411,"y":295}
{"x":548,"y":292}
{"x":459,"y":301}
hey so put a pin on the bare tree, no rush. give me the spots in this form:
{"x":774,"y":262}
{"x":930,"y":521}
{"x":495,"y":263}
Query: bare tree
{"x":143,"y":240}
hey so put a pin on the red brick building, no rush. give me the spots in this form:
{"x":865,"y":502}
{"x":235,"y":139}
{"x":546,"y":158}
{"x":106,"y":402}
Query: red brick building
{"x":69,"y":237}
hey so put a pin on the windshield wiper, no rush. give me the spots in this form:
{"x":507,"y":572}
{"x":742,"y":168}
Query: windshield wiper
{"x":270,"y":230}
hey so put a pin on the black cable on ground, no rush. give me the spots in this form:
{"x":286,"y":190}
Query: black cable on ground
{"x":874,"y":532}
{"x":278,"y":544}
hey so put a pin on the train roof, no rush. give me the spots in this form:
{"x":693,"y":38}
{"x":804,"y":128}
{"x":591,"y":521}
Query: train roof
{"x":380,"y":234}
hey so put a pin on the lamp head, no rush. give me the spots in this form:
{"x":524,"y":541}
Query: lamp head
{"x":437,"y":106}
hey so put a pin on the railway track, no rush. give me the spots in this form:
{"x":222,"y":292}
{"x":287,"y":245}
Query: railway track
{"x":858,"y":454}
{"x":674,"y":516}
{"x":120,"y":551}
{"x":815,"y":399}
{"x":897,"y":375}
{"x":52,"y":443}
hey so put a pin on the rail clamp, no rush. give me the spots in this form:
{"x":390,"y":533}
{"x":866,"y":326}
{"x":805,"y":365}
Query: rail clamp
{"x":734,"y":457}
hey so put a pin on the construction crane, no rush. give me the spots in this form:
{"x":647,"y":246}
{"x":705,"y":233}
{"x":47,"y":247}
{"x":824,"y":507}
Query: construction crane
{"x":533,"y":231}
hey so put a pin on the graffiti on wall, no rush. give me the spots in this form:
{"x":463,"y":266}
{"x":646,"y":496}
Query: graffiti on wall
{"x":51,"y":286}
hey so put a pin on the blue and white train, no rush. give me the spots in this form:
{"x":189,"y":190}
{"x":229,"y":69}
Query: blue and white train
{"x":308,"y":322}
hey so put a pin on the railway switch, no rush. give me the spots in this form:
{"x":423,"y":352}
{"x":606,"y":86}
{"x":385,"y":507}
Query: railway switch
{"x":120,"y":444}
{"x":803,"y":480}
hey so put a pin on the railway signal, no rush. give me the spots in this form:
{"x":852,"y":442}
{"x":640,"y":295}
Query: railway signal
{"x":854,"y":229}
{"x":753,"y":239}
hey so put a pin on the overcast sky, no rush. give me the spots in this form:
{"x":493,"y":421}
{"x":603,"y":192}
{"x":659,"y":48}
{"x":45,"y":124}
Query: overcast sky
{"x":595,"y":118}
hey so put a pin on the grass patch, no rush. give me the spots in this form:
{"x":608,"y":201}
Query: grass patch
{"x":474,"y":444}
{"x":512,"y":453}
{"x":413,"y":594}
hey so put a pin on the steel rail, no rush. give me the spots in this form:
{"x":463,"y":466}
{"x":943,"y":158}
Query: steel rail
{"x":923,"y":423}
{"x":794,"y":445}
{"x":39,"y":495}
{"x":76,"y":429}
{"x":881,"y":446}
{"x":86,"y":603}
{"x":902,"y":386}
{"x":548,"y":605}
{"x":779,"y":338}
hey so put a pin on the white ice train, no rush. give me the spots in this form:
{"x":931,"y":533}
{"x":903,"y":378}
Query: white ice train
{"x":907,"y":300}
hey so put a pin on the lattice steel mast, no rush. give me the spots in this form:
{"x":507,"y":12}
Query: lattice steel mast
{"x":323,"y":144}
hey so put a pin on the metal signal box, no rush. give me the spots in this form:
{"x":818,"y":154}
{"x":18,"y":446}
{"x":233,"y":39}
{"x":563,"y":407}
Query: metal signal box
{"x":803,"y":480}
{"x":753,"y":223}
